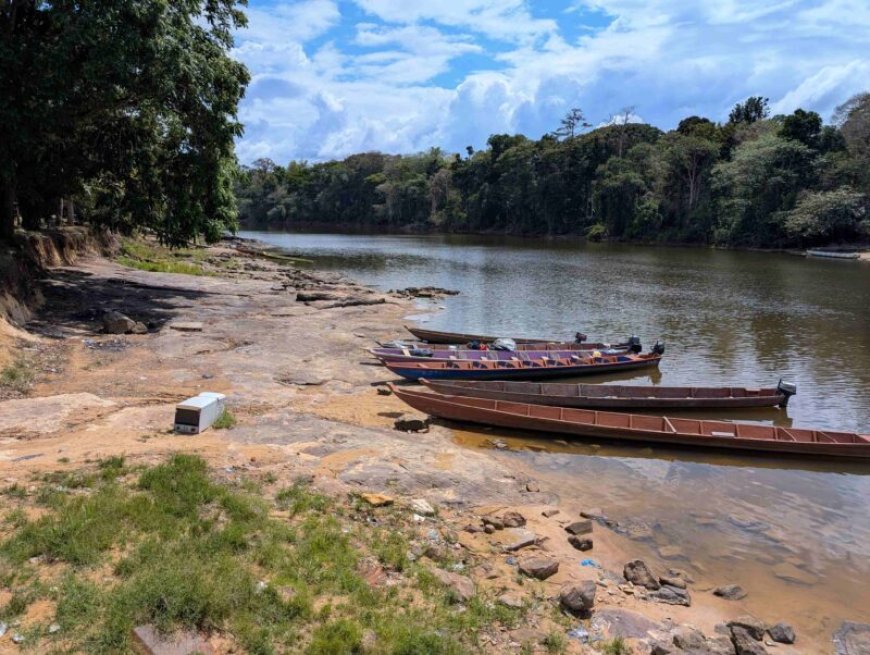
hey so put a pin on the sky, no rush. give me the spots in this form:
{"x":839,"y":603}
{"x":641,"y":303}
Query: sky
{"x":334,"y":77}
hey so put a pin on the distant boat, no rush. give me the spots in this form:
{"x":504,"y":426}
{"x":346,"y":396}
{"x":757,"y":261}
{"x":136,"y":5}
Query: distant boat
{"x":434,"y":336}
{"x":517,"y":369}
{"x":616,"y":396}
{"x":833,"y":254}
{"x":424,"y":353}
{"x":639,"y":427}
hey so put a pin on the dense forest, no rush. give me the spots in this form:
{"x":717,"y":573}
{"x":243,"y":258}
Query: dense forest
{"x":754,"y":181}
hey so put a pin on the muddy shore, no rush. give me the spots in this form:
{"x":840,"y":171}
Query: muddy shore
{"x":287,"y":347}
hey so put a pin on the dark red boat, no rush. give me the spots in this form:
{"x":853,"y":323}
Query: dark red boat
{"x":638,"y":427}
{"x":434,"y":336}
{"x":616,"y":396}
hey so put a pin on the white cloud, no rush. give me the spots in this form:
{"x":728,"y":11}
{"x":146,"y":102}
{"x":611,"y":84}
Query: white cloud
{"x":324,"y":87}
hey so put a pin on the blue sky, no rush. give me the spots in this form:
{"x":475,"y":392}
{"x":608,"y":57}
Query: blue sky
{"x":334,"y":77}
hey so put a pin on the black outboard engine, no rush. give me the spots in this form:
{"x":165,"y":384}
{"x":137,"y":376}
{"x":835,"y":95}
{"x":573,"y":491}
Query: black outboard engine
{"x":474,"y":345}
{"x":634,"y":344}
{"x":788,"y":389}
{"x":659,"y":348}
{"x":579,"y":337}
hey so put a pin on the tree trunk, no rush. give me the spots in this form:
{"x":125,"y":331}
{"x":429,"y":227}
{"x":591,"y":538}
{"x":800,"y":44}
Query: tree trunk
{"x":7,"y":210}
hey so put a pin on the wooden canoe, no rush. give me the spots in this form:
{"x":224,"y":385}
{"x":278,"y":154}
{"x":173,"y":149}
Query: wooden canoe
{"x":516,"y":369}
{"x":520,"y":347}
{"x":434,"y":336}
{"x":614,"y":396}
{"x":465,"y":354}
{"x":617,"y":426}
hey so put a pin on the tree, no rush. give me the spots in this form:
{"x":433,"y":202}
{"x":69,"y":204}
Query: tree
{"x":754,"y":109}
{"x":803,"y":126}
{"x":127,"y":105}
{"x":621,"y":119}
{"x":573,"y":122}
{"x":829,"y":215}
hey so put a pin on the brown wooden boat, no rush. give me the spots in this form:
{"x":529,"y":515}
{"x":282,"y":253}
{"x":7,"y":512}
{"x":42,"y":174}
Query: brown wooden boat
{"x":638,"y":427}
{"x":451,"y":348}
{"x":434,"y":336}
{"x":616,"y":396}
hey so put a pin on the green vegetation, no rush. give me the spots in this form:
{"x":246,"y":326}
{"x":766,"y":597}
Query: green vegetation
{"x":148,"y":256}
{"x":615,"y":646}
{"x":759,"y":181}
{"x":174,"y":546}
{"x":225,"y":421}
{"x":122,"y":112}
{"x":18,"y":376}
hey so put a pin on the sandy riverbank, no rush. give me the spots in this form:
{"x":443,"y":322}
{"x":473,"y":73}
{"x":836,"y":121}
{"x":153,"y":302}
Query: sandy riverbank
{"x":305,"y":396}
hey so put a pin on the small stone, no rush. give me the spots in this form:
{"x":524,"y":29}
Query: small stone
{"x":3,"y":628}
{"x":473,"y":529}
{"x":744,"y":643}
{"x":532,"y":487}
{"x":688,"y":637}
{"x":53,"y":628}
{"x":18,"y":638}
{"x":781,"y":633}
{"x":594,"y":514}
{"x":719,"y":646}
{"x":377,"y":500}
{"x":852,"y":638}
{"x":540,"y":568}
{"x":410,"y":424}
{"x":671,"y":596}
{"x":753,"y":626}
{"x":261,"y":586}
{"x":147,"y":640}
{"x":580,"y":543}
{"x":730,"y":592}
{"x":383,"y":391}
{"x":578,"y":597}
{"x":547,"y":513}
{"x":494,"y":521}
{"x":461,"y":586}
{"x":639,"y":574}
{"x":513,"y":519}
{"x":512,"y":600}
{"x":579,"y":527}
{"x":672,"y":581}
{"x":488,"y":529}
{"x":421,"y":506}
{"x":517,"y":538}
{"x":186,"y":326}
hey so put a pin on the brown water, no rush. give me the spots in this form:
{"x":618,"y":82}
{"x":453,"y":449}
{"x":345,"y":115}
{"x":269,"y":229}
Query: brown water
{"x":729,"y":318}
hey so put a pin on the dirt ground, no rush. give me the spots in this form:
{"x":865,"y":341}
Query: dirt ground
{"x":304,"y":392}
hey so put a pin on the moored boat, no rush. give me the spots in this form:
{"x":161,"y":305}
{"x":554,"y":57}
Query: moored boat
{"x":519,"y":347}
{"x":616,"y":396}
{"x":641,"y":428}
{"x":517,"y":369}
{"x":425,"y":354}
{"x":435,"y":336}
{"x":834,"y":254}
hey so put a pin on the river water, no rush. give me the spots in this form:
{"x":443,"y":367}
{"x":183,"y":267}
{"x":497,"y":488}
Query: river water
{"x":795,"y":534}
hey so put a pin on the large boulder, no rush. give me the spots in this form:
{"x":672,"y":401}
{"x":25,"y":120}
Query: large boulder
{"x":745,"y":643}
{"x":688,"y":637}
{"x":578,"y":597}
{"x":749,"y":623}
{"x":671,"y":596}
{"x":730,"y":592}
{"x":117,"y":323}
{"x":852,"y":639}
{"x":461,"y":586}
{"x":638,"y":573}
{"x":781,"y":633}
{"x":540,"y":568}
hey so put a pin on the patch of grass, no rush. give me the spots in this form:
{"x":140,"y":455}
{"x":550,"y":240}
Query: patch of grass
{"x":147,"y":256}
{"x":225,"y":421}
{"x":177,"y":547}
{"x":18,"y":376}
{"x":616,"y":646}
{"x":555,"y":642}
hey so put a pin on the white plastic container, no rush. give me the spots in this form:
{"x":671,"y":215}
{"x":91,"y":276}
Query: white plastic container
{"x":197,"y":414}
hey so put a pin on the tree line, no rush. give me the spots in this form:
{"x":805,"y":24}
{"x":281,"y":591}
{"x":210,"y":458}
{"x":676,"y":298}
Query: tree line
{"x":753,"y":181}
{"x":120,"y":113}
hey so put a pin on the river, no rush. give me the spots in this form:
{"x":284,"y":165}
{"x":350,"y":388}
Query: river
{"x":795,"y":534}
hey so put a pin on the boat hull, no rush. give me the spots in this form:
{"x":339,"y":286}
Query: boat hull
{"x":440,"y":370}
{"x":404,"y":355}
{"x":575,"y":395}
{"x":621,"y":427}
{"x":435,"y":336}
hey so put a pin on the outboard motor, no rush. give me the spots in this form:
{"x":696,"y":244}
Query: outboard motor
{"x":579,"y":337}
{"x":474,"y":345}
{"x":504,"y":344}
{"x":788,"y":389}
{"x":659,"y":348}
{"x":634,"y":344}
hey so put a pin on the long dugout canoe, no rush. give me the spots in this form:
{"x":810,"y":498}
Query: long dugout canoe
{"x":439,"y":348}
{"x":434,"y":336}
{"x":468,"y":355}
{"x":615,"y":396}
{"x":516,"y":369}
{"x":641,"y":428}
